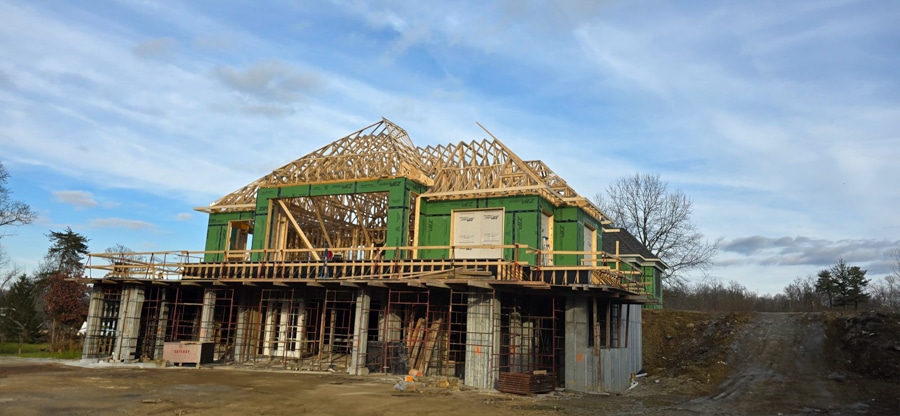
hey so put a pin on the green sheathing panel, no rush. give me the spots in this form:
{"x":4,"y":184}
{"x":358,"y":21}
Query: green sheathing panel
{"x":568,"y":235}
{"x":261,"y":218}
{"x":652,"y":277}
{"x":216,"y":232}
{"x":398,"y":216}
{"x":434,"y":230}
{"x":398,"y":211}
{"x":521,"y":224}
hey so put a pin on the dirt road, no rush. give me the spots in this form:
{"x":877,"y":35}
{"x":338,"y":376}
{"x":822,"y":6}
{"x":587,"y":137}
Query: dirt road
{"x":779,"y":366}
{"x":770,"y":364}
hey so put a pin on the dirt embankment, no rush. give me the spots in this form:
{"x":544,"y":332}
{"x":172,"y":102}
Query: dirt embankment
{"x":690,"y":347}
{"x":867,"y":343}
{"x":771,"y":363}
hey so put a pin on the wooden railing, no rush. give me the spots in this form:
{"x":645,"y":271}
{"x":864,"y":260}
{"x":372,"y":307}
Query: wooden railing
{"x":356,"y":263}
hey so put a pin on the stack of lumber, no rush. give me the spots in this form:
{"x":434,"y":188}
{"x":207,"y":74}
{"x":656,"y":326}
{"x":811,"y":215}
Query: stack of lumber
{"x":421,"y":344}
{"x":527,"y":383}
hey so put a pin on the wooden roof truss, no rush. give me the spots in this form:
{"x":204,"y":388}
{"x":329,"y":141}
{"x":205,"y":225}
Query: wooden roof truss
{"x":381,"y":150}
{"x":384,"y":150}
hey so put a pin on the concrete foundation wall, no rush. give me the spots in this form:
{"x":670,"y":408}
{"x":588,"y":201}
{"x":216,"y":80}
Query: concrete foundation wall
{"x":619,"y":363}
{"x":581,"y":363}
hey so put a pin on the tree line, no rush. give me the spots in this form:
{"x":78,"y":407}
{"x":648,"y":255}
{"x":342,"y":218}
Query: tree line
{"x":840,"y":286}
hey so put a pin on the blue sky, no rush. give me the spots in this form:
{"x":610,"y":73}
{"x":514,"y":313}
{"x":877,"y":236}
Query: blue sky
{"x":780,"y":119}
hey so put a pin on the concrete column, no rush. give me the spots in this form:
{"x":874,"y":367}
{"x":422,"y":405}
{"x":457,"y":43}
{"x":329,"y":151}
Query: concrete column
{"x":300,"y":338}
{"x":521,"y":344}
{"x":482,"y":339}
{"x":241,"y":335}
{"x":92,"y":336}
{"x":129,"y":324}
{"x":207,"y":324}
{"x":360,"y":334}
{"x":581,"y":364}
{"x":244,"y":327}
{"x":272,"y":308}
{"x":162,"y":326}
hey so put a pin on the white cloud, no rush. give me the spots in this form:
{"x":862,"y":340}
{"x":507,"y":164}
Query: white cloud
{"x":184,"y":216}
{"x":121,"y":223}
{"x":161,"y":49}
{"x":78,"y":199}
{"x":270,"y":81}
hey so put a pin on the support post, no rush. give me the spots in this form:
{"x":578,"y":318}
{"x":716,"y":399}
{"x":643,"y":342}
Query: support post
{"x":360,"y":334}
{"x":129,"y":324}
{"x":482,"y":339}
{"x":91,"y":337}
{"x":207,"y":325}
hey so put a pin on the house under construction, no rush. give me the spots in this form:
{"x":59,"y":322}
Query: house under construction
{"x":373,"y":255}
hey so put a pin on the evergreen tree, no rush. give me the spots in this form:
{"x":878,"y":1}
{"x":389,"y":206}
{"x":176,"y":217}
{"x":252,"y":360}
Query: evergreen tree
{"x":854,"y":287}
{"x":843,"y":284}
{"x":19,"y":317}
{"x":827,"y":286}
{"x":66,"y":253}
{"x":65,"y":299}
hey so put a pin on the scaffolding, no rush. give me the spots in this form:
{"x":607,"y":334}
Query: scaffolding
{"x":532,"y":333}
{"x":103,"y":319}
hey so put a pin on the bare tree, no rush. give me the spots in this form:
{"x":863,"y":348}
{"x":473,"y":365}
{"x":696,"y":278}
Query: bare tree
{"x":895,"y":264}
{"x":661,"y":220}
{"x":886,"y":293}
{"x":122,"y":254}
{"x":12,"y":212}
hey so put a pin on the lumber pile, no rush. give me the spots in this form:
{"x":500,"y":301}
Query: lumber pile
{"x":421,"y":344}
{"x":527,"y":383}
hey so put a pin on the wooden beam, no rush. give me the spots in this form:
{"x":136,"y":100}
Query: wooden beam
{"x":359,"y":218}
{"x":318,"y":212}
{"x":309,"y":245}
{"x":479,"y":283}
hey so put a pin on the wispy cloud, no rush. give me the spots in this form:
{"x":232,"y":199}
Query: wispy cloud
{"x":805,"y":251}
{"x":121,"y":223}
{"x":271,"y":84}
{"x":161,"y":49}
{"x":78,"y":199}
{"x":184,"y":216}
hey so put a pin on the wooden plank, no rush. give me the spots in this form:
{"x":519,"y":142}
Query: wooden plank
{"x":318,"y":211}
{"x":299,"y":230}
{"x":429,"y":345}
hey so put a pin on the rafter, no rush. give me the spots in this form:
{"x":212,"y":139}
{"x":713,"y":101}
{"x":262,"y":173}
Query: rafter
{"x":381,"y":150}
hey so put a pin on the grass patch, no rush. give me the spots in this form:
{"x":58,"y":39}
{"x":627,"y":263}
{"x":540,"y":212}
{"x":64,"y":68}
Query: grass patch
{"x":36,"y":351}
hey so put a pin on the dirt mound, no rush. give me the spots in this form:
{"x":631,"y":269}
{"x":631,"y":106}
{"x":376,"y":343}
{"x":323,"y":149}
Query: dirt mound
{"x":691,"y":347}
{"x":867,"y":344}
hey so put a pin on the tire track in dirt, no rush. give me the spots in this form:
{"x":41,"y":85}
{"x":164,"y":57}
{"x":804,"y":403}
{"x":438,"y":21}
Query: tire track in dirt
{"x":778,"y":367}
